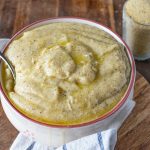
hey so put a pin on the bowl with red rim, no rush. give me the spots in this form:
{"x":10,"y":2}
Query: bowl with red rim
{"x":56,"y":135}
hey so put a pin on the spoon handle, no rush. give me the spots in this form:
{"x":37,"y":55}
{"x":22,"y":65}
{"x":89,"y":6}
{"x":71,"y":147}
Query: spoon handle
{"x":9,"y":65}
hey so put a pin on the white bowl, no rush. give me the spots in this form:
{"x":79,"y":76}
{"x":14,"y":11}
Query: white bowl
{"x":56,"y":135}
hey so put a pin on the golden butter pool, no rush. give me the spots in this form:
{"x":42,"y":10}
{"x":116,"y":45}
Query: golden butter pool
{"x":66,"y":73}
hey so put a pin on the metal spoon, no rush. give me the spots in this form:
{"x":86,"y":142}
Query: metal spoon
{"x":9,"y":65}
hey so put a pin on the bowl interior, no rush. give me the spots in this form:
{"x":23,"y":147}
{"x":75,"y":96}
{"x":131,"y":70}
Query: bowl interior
{"x":91,"y":23}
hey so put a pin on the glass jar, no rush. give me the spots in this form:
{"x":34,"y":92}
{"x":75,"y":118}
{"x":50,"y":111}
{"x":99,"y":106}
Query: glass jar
{"x":137,"y":36}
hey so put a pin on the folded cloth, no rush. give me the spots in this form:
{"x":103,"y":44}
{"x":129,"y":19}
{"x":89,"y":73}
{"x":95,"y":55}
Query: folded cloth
{"x":98,"y":141}
{"x":103,"y":140}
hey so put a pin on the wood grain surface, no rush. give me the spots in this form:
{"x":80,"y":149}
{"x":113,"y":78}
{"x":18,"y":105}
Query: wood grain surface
{"x":15,"y":14}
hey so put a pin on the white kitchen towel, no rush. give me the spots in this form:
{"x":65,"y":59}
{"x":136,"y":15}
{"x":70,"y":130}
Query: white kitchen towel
{"x":103,"y":140}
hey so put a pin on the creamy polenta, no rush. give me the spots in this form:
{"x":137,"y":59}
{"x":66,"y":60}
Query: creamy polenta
{"x":66,"y":73}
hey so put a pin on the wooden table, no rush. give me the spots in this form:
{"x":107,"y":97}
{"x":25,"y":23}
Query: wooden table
{"x":15,"y":14}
